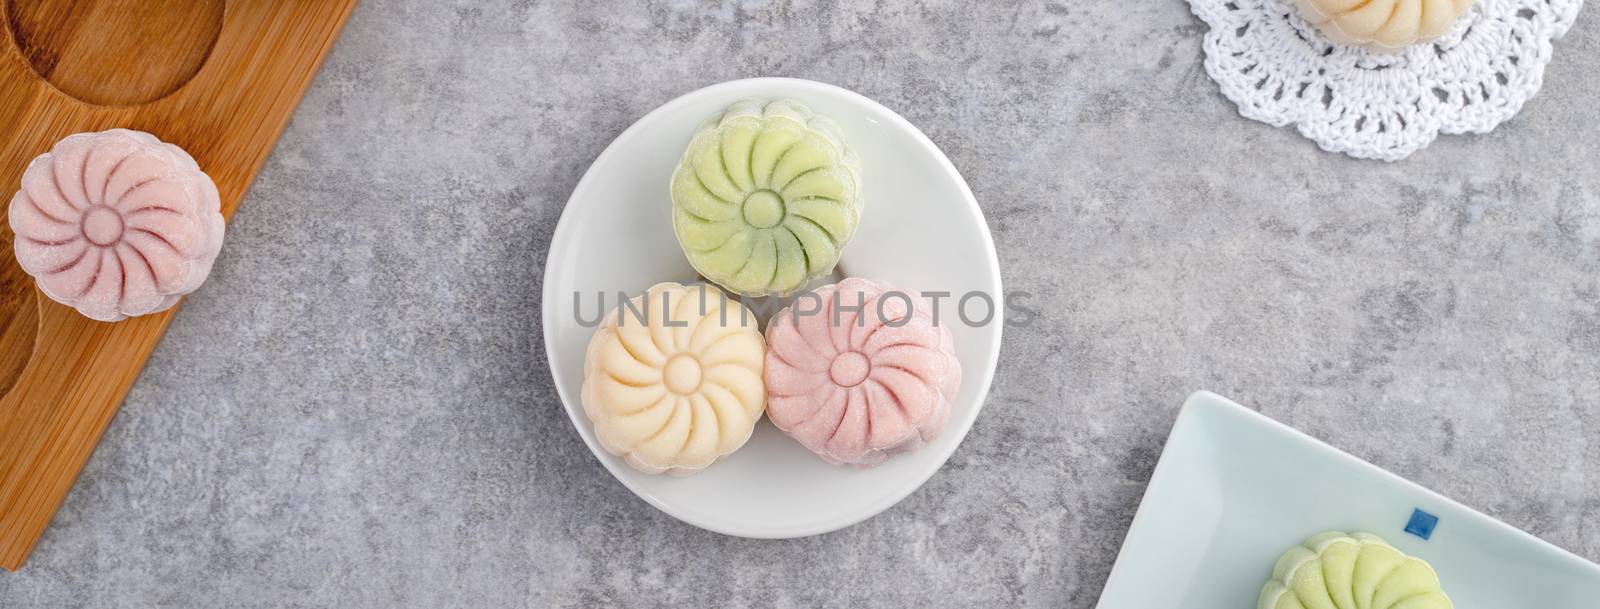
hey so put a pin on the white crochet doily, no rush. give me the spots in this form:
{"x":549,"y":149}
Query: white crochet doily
{"x":1374,"y":105}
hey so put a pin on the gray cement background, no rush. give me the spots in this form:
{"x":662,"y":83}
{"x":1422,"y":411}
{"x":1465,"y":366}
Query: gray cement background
{"x":355,"y":411}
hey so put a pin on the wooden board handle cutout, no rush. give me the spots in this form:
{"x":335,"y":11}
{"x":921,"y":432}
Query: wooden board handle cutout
{"x":217,"y":77}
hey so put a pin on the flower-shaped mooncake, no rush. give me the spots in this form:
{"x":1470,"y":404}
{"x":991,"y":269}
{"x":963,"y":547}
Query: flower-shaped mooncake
{"x":672,"y":381}
{"x":765,"y":197}
{"x":1383,"y":24}
{"x":1360,"y":571}
{"x":116,"y":223}
{"x":863,"y":376}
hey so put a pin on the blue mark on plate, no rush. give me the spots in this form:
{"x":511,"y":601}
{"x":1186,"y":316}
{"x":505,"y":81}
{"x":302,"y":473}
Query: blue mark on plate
{"x":1421,"y":523}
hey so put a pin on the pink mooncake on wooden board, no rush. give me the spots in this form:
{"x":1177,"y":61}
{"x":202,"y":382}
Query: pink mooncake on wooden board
{"x":116,"y":224}
{"x":859,"y":372}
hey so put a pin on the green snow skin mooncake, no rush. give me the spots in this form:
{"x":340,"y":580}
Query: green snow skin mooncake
{"x":765,"y":197}
{"x":1358,"y":571}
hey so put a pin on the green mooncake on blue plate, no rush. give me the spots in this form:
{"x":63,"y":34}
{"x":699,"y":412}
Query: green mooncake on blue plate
{"x":1358,"y":571}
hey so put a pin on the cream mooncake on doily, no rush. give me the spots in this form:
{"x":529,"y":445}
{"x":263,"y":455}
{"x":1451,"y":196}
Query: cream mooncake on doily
{"x":856,"y":386}
{"x":765,"y":197}
{"x":672,"y":381}
{"x":116,"y":224}
{"x":1358,"y":571}
{"x":1384,"y":24}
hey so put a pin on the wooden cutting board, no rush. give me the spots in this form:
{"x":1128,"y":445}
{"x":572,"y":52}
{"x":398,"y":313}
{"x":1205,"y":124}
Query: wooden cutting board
{"x":217,"y":77}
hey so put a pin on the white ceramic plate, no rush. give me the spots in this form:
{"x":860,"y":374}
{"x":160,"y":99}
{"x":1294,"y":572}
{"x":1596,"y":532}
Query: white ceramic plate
{"x":920,"y":230}
{"x":1219,"y":512}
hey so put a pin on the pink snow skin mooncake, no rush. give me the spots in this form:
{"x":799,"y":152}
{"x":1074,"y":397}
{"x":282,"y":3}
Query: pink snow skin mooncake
{"x":116,"y":224}
{"x":855,"y":386}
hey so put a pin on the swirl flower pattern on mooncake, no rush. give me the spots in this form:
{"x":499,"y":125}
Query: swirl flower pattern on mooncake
{"x":1383,"y":24}
{"x":116,"y":224}
{"x":1358,"y":571}
{"x":680,"y":390}
{"x":765,"y":197}
{"x":855,"y":386}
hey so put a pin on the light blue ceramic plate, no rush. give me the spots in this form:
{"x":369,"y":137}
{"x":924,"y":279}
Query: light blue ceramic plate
{"x":1218,"y":514}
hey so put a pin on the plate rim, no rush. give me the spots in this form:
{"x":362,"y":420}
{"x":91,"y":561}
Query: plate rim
{"x":1205,"y":403}
{"x":564,"y":231}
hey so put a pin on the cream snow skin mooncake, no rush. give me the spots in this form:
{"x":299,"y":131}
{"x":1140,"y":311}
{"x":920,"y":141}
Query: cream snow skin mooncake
{"x":672,"y":380}
{"x":1384,"y":25}
{"x":116,"y":224}
{"x":765,"y":197}
{"x":1357,"y":571}
{"x":855,"y":386}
